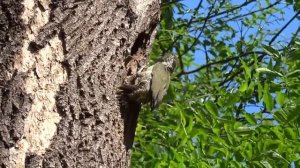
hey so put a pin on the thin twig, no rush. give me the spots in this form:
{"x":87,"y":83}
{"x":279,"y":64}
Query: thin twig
{"x":221,"y":62}
{"x":250,"y":13}
{"x":294,"y":37}
{"x":177,"y":38}
{"x":284,"y":27}
{"x":241,"y":70}
{"x":168,"y":3}
{"x":199,"y":35}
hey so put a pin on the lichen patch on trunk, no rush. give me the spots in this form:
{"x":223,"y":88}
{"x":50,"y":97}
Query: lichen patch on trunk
{"x":45,"y":73}
{"x":43,"y":84}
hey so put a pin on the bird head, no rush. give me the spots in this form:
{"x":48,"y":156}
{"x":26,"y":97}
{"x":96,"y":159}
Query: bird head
{"x":170,"y":61}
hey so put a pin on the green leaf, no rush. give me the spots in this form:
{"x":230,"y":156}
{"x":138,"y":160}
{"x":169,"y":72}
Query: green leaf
{"x":150,"y":151}
{"x":268,"y":71}
{"x":280,"y":116}
{"x":216,"y":130}
{"x":267,"y":122}
{"x":278,"y":132}
{"x":293,"y":114}
{"x":246,"y":150}
{"x":268,"y":100}
{"x":230,"y":99}
{"x":271,"y":51}
{"x":212,"y":108}
{"x":290,"y":133}
{"x":176,"y":155}
{"x":280,"y":98}
{"x":257,"y":164}
{"x":243,"y":87}
{"x":272,"y":144}
{"x":277,"y":155}
{"x":260,"y":91}
{"x":294,"y":55}
{"x":293,"y":74}
{"x":246,"y":68}
{"x":250,"y":88}
{"x":243,"y":131}
{"x":266,"y":164}
{"x":235,"y":164}
{"x":250,"y":118}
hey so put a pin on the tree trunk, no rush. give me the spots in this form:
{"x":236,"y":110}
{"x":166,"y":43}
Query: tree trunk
{"x":61,"y":63}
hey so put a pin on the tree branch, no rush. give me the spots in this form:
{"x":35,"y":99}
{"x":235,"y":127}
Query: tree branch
{"x":209,"y":16}
{"x":232,"y":9}
{"x":177,"y":38}
{"x":221,"y":61}
{"x":201,"y":31}
{"x":241,"y":70}
{"x":284,"y":27}
{"x":294,"y":37}
{"x":250,"y":13}
{"x":221,"y":13}
{"x":163,"y":4}
{"x":263,"y":55}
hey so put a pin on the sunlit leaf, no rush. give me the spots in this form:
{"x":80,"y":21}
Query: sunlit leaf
{"x":212,"y":108}
{"x":243,"y":87}
{"x":268,"y":100}
{"x":280,"y":98}
{"x":250,"y":118}
{"x":295,"y":73}
{"x":268,"y":71}
{"x":246,"y":68}
{"x":290,"y":133}
{"x":271,"y":51}
{"x":266,"y":164}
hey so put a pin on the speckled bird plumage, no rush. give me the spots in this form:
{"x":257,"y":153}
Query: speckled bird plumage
{"x":153,"y":83}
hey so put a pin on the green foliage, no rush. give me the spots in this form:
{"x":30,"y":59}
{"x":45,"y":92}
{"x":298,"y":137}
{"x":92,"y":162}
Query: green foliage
{"x":235,"y":99}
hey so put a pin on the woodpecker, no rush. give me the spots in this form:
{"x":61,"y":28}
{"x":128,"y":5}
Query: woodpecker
{"x":152,"y":84}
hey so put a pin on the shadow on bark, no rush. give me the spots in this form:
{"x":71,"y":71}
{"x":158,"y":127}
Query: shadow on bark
{"x":130,"y":113}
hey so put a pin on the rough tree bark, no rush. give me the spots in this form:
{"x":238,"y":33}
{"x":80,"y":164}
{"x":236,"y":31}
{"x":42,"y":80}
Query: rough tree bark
{"x":61,"y":63}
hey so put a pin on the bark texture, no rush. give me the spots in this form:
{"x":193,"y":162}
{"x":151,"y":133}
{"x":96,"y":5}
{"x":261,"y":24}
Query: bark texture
{"x":61,"y":63}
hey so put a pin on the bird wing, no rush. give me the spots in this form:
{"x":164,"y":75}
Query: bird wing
{"x":159,"y":84}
